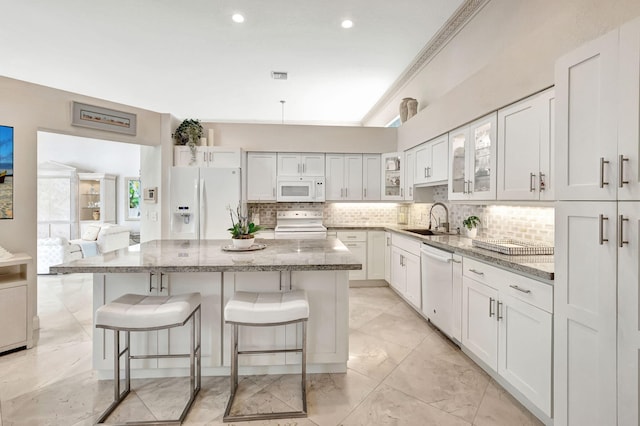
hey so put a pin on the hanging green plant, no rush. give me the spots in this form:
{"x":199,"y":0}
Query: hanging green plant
{"x":189,"y":133}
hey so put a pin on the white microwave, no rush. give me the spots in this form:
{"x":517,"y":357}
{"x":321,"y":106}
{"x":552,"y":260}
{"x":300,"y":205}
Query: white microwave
{"x":310,"y":189}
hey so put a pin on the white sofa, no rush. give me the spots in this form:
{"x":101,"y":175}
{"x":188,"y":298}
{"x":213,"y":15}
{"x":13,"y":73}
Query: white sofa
{"x":96,"y":240}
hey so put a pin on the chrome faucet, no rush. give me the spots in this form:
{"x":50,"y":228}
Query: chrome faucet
{"x":439,"y":224}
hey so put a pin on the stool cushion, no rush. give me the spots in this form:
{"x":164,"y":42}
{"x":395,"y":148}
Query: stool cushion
{"x":267,"y":308}
{"x":134,"y":311}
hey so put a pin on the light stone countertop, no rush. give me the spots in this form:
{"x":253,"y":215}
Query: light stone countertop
{"x":208,"y":256}
{"x":541,"y":266}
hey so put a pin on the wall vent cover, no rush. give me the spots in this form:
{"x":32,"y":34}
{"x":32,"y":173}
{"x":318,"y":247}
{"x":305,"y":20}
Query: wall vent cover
{"x":279,"y":75}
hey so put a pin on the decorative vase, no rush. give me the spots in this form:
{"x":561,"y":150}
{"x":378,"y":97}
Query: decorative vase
{"x":412,"y":108}
{"x":470,"y":233}
{"x":404,"y":110}
{"x":242,"y":243}
{"x":96,"y":215}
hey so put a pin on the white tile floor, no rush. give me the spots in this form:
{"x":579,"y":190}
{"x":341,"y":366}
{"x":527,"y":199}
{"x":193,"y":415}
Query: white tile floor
{"x":401,"y":371}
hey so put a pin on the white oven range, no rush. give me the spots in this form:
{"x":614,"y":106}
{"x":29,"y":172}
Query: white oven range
{"x":300,"y":225}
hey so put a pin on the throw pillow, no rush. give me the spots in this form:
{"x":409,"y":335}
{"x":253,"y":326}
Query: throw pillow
{"x":91,"y":233}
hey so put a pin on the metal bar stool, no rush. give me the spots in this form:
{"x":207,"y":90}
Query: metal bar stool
{"x":266,"y":309}
{"x":132,"y":312}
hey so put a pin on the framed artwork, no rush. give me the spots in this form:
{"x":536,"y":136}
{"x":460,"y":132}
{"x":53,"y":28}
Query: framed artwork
{"x":132,"y":198}
{"x":6,"y":172}
{"x":94,"y":117}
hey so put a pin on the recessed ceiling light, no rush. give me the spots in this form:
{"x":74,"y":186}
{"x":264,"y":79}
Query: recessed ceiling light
{"x":347,"y":23}
{"x":238,"y":18}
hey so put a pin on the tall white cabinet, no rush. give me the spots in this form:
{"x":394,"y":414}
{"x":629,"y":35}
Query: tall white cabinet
{"x":596,"y":327}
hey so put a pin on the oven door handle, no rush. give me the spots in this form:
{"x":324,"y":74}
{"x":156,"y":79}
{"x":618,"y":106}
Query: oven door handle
{"x":436,"y":257}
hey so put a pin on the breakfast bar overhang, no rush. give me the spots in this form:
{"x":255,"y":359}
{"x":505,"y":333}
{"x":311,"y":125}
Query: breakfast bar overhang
{"x":168,"y":267}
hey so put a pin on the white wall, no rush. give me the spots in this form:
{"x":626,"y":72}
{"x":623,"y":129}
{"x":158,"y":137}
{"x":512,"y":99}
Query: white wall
{"x":93,"y":155}
{"x":506,"y":52}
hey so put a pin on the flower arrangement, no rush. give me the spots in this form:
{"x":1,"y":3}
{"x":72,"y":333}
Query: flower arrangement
{"x":241,"y":227}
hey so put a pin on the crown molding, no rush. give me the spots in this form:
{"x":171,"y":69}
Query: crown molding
{"x":454,"y":24}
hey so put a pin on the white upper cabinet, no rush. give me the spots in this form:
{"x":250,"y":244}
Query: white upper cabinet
{"x":295,"y":164}
{"x":371,"y":177}
{"x":432,"y":161}
{"x":207,"y":156}
{"x":409,"y":173}
{"x":586,"y":133}
{"x":472,"y":156}
{"x":392,"y":176}
{"x":261,"y":176}
{"x":344,"y":177}
{"x":628,"y":111}
{"x":525,"y":147}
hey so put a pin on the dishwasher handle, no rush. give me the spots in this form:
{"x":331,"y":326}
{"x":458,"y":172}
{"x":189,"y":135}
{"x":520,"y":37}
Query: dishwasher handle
{"x":436,"y":257}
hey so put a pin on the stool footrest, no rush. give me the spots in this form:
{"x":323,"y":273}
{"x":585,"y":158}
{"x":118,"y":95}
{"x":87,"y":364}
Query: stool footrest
{"x":269,"y":351}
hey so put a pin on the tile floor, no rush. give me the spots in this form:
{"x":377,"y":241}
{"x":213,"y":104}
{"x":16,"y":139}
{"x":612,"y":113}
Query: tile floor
{"x":401,"y":372}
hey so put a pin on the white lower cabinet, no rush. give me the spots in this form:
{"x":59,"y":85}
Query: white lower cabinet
{"x":375,"y":255}
{"x":507,"y":324}
{"x":387,"y":257}
{"x":356,"y":242}
{"x":405,"y":269}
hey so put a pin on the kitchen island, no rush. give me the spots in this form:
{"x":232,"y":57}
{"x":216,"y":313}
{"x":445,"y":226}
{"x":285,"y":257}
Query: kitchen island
{"x":167,"y":267}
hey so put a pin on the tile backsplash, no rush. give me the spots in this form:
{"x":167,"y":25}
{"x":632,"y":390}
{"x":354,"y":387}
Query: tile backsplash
{"x":532,"y":224}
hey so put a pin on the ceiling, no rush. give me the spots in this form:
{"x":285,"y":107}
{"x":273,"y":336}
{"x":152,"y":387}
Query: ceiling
{"x":188,"y":57}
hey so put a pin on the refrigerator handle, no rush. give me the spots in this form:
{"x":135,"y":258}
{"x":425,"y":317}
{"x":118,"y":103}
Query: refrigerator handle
{"x":201,"y":206}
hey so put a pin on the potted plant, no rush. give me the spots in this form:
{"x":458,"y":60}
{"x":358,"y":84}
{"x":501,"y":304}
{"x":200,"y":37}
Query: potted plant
{"x":189,"y":133}
{"x":242,"y":231}
{"x":471,"y":226}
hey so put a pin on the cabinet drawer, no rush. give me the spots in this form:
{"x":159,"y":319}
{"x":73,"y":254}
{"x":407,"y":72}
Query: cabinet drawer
{"x":531,"y":291}
{"x":526,"y":289}
{"x":347,"y":236}
{"x":406,"y":243}
{"x":481,"y":272}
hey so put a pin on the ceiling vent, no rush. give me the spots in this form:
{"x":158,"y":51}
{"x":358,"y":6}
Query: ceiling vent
{"x":278,"y":75}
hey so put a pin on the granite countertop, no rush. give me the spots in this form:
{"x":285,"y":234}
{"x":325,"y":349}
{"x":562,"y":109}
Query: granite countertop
{"x":541,"y":266}
{"x":208,"y":256}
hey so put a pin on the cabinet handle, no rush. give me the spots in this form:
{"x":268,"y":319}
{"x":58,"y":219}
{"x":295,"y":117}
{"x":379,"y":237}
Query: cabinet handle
{"x":401,"y":260}
{"x":464,"y":187}
{"x":524,"y":290}
{"x":411,"y":191}
{"x":491,"y":313}
{"x":532,"y":182}
{"x":602,"y":163}
{"x":298,"y":167}
{"x":499,"y":311}
{"x":621,"y":180}
{"x":402,"y":192}
{"x":456,"y":261}
{"x":388,"y":241}
{"x":346,"y":193}
{"x":477,"y":272}
{"x":352,"y":236}
{"x":365,"y":192}
{"x":273,"y":190}
{"x":151,"y":287}
{"x":428,"y":171}
{"x":541,"y":181}
{"x":161,"y":278}
{"x":425,"y":172}
{"x":601,"y":238}
{"x":351,"y":245}
{"x":211,"y":157}
{"x":204,"y":157}
{"x":304,"y":168}
{"x":341,"y":192}
{"x":621,"y":240}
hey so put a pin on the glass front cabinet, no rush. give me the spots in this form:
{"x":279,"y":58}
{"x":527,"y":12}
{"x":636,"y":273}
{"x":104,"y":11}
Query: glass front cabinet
{"x":393,"y":176}
{"x":473,"y":160}
{"x":96,"y":198}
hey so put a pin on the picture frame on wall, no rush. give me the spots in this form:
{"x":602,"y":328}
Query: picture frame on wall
{"x":6,"y":172}
{"x":99,"y":118}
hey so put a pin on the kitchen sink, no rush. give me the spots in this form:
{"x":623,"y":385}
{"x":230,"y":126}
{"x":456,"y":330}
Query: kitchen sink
{"x":424,"y":232}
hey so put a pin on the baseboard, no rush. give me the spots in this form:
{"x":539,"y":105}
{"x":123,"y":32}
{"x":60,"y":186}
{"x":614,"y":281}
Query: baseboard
{"x":368,"y":283}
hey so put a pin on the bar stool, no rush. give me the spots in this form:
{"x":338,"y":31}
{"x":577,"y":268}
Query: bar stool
{"x":133,"y":312}
{"x":266,"y":309}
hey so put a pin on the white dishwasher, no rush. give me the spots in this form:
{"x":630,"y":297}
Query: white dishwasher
{"x":437,"y":287}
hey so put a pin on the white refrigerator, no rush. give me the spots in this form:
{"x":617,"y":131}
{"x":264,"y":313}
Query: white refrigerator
{"x":200,"y":198}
